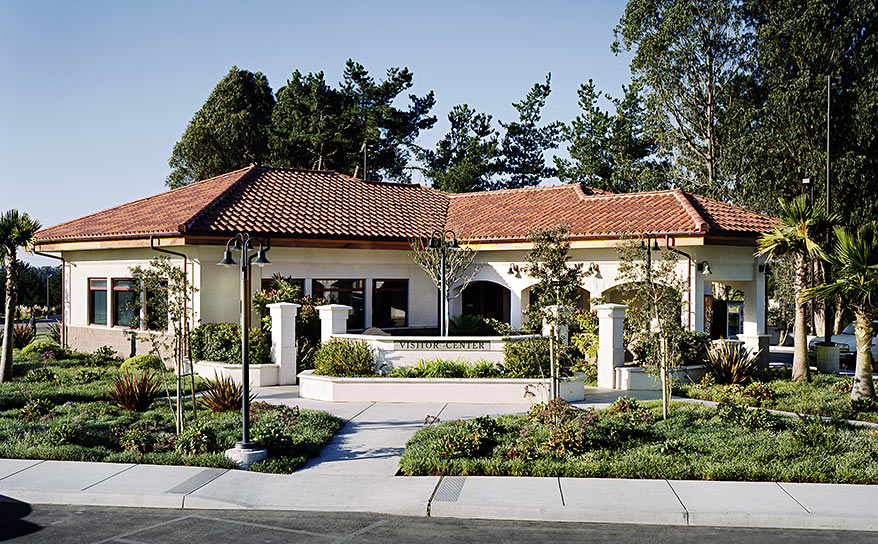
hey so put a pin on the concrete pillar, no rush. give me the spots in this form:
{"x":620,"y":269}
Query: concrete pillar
{"x":515,"y":309}
{"x":333,"y":320}
{"x":698,"y":292}
{"x":758,"y":342}
{"x":283,"y":340}
{"x":611,"y":347}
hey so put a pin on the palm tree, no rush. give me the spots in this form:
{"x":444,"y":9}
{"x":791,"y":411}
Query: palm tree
{"x":796,"y":235}
{"x":854,"y":261}
{"x":16,"y":230}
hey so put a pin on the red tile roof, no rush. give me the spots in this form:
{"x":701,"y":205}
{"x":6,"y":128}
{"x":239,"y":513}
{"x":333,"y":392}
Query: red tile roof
{"x":319,"y":204}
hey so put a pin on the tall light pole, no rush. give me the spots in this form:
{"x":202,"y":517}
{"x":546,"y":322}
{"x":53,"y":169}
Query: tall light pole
{"x":442,"y":241}
{"x":827,"y":307}
{"x":245,"y":243}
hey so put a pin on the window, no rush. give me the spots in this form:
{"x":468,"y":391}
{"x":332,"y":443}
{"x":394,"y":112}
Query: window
{"x":390,"y":302}
{"x":97,"y":301}
{"x":348,"y":292}
{"x":124,"y":303}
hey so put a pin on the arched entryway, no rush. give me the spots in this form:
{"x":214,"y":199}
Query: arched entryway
{"x":487,"y":299}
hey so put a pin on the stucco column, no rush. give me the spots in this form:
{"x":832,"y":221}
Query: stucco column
{"x":333,"y":320}
{"x":515,"y":309}
{"x":611,"y":347}
{"x":698,"y":301}
{"x":283,"y":340}
{"x":754,"y":336}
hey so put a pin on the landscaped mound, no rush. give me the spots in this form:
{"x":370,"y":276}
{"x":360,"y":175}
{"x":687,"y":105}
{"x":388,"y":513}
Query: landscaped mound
{"x":628,"y":440}
{"x":84,"y":408}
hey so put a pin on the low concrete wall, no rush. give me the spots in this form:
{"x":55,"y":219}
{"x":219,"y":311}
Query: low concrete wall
{"x":396,"y":351}
{"x":456,"y":390}
{"x":260,"y":375}
{"x":635,"y":378}
{"x":88,"y":339}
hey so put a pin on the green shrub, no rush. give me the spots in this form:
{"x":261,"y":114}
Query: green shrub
{"x":864,"y":405}
{"x":553,"y":411}
{"x":84,"y":376}
{"x":482,"y":369}
{"x":134,"y":392}
{"x":816,"y":433}
{"x":731,"y":363}
{"x":406,"y":372}
{"x":467,"y":438}
{"x":441,"y":368}
{"x":759,"y":391}
{"x":136,"y":439}
{"x":21,"y":336}
{"x":693,"y":347}
{"x":469,"y":325}
{"x":343,"y":357}
{"x":101,"y":356}
{"x":275,"y":429}
{"x":196,"y":438}
{"x":528,"y":358}
{"x":61,"y":434}
{"x":749,"y":418}
{"x":222,"y":395}
{"x":221,"y":343}
{"x":143,"y":362}
{"x":41,"y":374}
{"x":35,"y":409}
{"x":39,"y":348}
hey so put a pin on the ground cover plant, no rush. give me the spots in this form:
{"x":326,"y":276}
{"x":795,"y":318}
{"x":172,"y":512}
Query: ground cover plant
{"x":825,"y":394}
{"x":630,"y":440}
{"x":64,"y":408}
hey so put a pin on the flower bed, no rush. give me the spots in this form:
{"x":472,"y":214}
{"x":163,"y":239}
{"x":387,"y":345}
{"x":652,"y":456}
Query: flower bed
{"x":464,"y":390}
{"x":62,"y":409}
{"x":629,"y":440}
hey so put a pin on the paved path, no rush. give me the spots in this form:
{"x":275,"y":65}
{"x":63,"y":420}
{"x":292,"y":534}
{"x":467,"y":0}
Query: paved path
{"x":356,"y":473}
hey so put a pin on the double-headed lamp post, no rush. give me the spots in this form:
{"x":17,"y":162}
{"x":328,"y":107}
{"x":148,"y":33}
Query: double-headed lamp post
{"x":443,"y":241}
{"x":245,"y":243}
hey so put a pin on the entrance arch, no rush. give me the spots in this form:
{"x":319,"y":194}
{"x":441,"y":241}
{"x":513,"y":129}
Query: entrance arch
{"x":486,"y":299}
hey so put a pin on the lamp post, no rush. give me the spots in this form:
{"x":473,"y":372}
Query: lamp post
{"x":245,"y":243}
{"x":442,"y":241}
{"x":827,"y":309}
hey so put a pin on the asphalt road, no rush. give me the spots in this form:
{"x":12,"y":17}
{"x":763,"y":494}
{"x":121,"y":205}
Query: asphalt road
{"x":22,"y":523}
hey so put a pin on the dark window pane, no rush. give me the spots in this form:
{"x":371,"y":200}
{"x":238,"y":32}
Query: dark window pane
{"x":157,"y":308}
{"x":98,"y":307}
{"x":389,"y":303}
{"x":347,"y":292}
{"x":123,"y":310}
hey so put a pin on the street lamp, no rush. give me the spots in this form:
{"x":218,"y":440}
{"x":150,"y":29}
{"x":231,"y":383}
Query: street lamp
{"x":827,"y":310}
{"x":443,"y":241}
{"x":245,"y":451}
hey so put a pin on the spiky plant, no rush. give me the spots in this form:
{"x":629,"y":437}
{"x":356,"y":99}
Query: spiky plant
{"x":223,"y":395}
{"x":731,"y":362}
{"x":134,"y":391}
{"x":22,"y":335}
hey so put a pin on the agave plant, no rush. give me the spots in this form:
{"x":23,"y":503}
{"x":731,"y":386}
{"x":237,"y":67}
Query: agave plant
{"x":22,"y":335}
{"x":55,"y":331}
{"x":222,"y":395}
{"x":731,"y":362}
{"x":134,"y":391}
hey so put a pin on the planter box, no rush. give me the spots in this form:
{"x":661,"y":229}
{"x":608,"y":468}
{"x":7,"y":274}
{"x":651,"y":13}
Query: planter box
{"x":260,"y":375}
{"x":635,"y":378}
{"x":455,"y":390}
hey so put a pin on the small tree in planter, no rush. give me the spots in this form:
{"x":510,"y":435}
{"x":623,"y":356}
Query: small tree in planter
{"x":459,"y":268}
{"x":558,"y":286}
{"x":653,"y":289}
{"x":169,"y":315}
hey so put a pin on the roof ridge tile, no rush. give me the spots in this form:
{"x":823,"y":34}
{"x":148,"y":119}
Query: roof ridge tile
{"x":700,"y":223}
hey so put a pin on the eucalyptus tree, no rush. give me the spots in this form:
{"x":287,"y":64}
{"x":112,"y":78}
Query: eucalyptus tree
{"x":797,"y":236}
{"x":17,"y":230}
{"x":690,"y":56}
{"x":854,"y":261}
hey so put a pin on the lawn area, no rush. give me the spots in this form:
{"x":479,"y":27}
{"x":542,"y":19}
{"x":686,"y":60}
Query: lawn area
{"x":61,"y":409}
{"x":629,"y":440}
{"x":825,"y":395}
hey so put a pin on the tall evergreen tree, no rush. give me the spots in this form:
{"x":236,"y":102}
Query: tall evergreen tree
{"x":611,"y":151}
{"x":229,"y":132}
{"x":465,"y":159}
{"x":524,"y":145}
{"x":798,"y":44}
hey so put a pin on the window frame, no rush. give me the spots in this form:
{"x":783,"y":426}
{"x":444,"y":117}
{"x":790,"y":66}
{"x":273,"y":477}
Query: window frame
{"x":113,"y":302}
{"x":91,"y":305}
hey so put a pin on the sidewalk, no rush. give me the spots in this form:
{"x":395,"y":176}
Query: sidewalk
{"x":356,"y":473}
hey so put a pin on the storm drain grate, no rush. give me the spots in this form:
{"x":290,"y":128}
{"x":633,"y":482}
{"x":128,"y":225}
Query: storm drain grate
{"x":450,"y":488}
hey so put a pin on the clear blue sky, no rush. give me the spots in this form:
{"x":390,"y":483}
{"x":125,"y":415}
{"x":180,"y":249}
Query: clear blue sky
{"x":94,"y":94}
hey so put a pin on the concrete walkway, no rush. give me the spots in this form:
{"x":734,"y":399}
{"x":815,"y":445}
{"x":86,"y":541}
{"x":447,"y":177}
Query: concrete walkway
{"x":356,"y":473}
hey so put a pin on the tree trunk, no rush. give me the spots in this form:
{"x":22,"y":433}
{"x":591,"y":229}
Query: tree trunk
{"x":800,"y":340}
{"x":11,"y":300}
{"x":863,"y":386}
